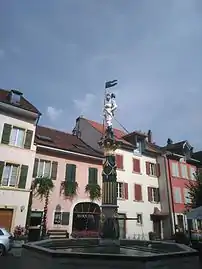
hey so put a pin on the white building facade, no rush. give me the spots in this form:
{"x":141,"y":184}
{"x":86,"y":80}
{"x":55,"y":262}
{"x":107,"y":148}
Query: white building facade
{"x":18,"y":120}
{"x":137,"y":175}
{"x":138,"y":193}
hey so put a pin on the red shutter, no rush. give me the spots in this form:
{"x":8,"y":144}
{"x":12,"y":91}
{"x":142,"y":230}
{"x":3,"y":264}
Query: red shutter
{"x":126,"y":191}
{"x":158,"y":170}
{"x":147,"y":168}
{"x":119,"y":161}
{"x":136,"y":165}
{"x":149,"y":189}
{"x":138,"y":192}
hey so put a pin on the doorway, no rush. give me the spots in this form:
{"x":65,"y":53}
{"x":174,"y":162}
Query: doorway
{"x":86,"y":218}
{"x":157,"y":228}
{"x":35,"y":225}
{"x":6,"y":217}
{"x":180,"y":222}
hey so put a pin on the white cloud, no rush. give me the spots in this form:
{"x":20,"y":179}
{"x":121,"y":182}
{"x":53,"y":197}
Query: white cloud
{"x":86,"y":104}
{"x":53,"y":113}
{"x":2,"y":53}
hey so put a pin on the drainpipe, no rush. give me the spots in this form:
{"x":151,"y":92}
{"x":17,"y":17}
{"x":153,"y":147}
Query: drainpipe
{"x":170,"y":194}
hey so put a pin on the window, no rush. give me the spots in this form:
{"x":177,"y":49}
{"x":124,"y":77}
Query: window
{"x":192,"y":172}
{"x":153,"y":195}
{"x":44,"y":168}
{"x":184,"y":170}
{"x":139,"y":218}
{"x":136,"y":165}
{"x":152,"y":169}
{"x":177,"y":195}
{"x":10,"y":175}
{"x":139,"y":148}
{"x":17,"y":137}
{"x":138,"y":192}
{"x":175,"y":169}
{"x":119,"y":161}
{"x":57,"y":218}
{"x":61,"y":218}
{"x":70,"y":173}
{"x":187,"y":199}
{"x":120,"y":190}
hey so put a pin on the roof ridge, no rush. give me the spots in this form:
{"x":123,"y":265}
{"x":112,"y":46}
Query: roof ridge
{"x":54,"y":129}
{"x":101,"y":124}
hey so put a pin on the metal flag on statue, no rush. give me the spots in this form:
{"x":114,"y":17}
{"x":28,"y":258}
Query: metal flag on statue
{"x":111,"y":83}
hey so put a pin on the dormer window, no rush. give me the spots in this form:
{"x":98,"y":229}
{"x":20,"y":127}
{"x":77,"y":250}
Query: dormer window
{"x":15,"y":97}
{"x":138,"y":149}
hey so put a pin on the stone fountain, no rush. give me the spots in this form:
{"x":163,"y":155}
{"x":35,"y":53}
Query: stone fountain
{"x":108,"y":251}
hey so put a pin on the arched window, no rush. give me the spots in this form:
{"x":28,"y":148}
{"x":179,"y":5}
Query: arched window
{"x":58,"y":215}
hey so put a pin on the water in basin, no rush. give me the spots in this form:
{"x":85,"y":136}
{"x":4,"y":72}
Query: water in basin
{"x":126,"y":251}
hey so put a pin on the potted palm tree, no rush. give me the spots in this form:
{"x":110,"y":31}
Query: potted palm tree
{"x":42,"y":187}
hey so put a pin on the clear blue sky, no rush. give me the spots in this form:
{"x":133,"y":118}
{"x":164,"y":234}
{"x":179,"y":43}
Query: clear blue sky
{"x":59,"y":53}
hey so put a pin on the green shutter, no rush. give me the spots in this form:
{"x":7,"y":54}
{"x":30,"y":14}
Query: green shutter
{"x":95,"y":175}
{"x":36,"y":163}
{"x":23,"y":177}
{"x":1,"y":170}
{"x":54,"y":170}
{"x":70,"y":174}
{"x":6,"y":134}
{"x":28,"y":139}
{"x":92,"y":175}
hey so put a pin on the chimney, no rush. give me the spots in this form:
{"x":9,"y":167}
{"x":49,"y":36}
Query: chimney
{"x":149,"y":136}
{"x":169,"y":141}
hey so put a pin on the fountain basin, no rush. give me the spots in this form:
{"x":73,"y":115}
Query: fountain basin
{"x":85,"y":253}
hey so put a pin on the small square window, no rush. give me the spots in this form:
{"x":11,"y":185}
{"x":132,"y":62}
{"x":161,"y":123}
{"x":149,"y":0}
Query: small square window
{"x":139,"y":219}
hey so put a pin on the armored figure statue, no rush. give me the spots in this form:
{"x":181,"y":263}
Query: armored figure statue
{"x":109,"y":108}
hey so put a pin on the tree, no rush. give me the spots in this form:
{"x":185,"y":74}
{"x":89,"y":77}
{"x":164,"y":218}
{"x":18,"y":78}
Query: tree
{"x":42,"y":187}
{"x":195,"y":190}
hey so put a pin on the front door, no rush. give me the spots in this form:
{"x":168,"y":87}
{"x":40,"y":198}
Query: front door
{"x":6,"y":216}
{"x":180,"y":222}
{"x":157,"y":228}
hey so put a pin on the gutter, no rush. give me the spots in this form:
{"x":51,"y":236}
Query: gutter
{"x":70,"y":152}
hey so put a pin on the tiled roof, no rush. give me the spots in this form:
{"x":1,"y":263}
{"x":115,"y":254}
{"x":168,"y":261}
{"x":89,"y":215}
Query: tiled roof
{"x":176,"y":147}
{"x":117,"y":133}
{"x":61,"y":140}
{"x":98,"y":126}
{"x":24,"y":104}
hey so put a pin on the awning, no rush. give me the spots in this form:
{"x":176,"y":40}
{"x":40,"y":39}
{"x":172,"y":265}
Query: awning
{"x":158,"y":214}
{"x":195,"y":213}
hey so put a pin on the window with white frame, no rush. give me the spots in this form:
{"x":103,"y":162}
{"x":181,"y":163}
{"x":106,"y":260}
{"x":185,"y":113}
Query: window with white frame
{"x":175,"y":169}
{"x":177,"y":195}
{"x":192,"y":172}
{"x":155,"y":197}
{"x":120,"y":190}
{"x":187,"y":199}
{"x":10,"y":175}
{"x":152,"y":168}
{"x":139,"y":218}
{"x":138,"y":147}
{"x":44,"y":168}
{"x":184,"y":170}
{"x":17,"y":137}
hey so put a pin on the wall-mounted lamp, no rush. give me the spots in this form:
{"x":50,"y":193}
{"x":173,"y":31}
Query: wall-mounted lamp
{"x":22,"y":208}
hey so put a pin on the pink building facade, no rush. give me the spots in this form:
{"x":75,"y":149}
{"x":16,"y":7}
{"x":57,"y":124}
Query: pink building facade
{"x":56,"y":151}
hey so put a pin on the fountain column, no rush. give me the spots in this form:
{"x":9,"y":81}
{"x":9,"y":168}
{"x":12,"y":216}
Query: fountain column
{"x":109,"y":225}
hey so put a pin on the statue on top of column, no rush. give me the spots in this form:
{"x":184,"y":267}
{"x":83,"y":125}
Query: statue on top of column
{"x":109,"y":108}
